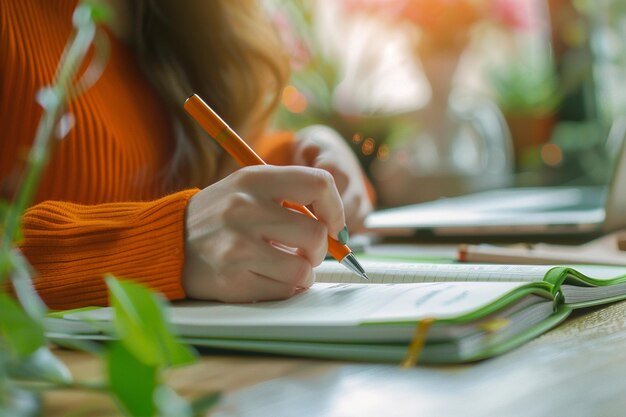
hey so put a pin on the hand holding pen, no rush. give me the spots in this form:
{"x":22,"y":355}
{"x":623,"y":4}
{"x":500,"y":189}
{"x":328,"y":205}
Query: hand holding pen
{"x":230,"y":225}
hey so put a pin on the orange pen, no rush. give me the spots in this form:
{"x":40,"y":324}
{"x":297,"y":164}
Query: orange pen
{"x":213,"y":124}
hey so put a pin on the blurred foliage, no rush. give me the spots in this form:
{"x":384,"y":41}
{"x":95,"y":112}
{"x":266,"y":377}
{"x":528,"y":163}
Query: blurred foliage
{"x":143,"y":349}
{"x":314,"y":74}
{"x":312,"y":96}
{"x":609,"y":50}
{"x":141,"y":326}
{"x":527,"y":83}
{"x":520,"y":89}
{"x":615,"y":9}
{"x":584,"y":93}
{"x":144,"y":346}
{"x":21,"y":334}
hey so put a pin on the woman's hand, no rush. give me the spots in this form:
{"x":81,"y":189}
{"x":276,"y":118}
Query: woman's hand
{"x":243,"y":246}
{"x":321,"y":147}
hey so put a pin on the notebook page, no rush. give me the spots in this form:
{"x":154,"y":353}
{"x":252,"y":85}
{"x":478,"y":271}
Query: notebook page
{"x":399,"y":273}
{"x":327,"y":304}
{"x":337,"y":304}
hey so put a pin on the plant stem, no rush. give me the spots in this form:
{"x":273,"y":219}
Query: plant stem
{"x":54,"y":99}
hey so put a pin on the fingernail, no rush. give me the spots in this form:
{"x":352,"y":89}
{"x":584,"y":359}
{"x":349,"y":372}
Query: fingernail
{"x":343,"y":235}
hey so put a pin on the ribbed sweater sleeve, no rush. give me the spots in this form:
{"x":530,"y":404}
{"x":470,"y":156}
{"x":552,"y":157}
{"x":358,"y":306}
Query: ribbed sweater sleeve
{"x":73,"y":247}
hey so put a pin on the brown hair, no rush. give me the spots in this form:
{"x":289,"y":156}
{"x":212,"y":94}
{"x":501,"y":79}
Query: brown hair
{"x":224,"y":50}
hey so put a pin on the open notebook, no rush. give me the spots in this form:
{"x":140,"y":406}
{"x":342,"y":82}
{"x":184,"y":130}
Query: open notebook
{"x":478,"y":310}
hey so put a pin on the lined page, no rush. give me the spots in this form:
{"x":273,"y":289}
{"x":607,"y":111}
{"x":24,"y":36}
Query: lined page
{"x":402,"y":273}
{"x":328,"y":304}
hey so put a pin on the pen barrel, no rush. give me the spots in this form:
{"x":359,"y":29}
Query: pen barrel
{"x":219,"y":130}
{"x":335,"y":248}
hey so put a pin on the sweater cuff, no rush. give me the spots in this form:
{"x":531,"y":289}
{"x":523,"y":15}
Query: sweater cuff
{"x":73,"y":247}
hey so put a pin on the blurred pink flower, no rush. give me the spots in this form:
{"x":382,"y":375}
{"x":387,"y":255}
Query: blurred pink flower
{"x":513,"y":13}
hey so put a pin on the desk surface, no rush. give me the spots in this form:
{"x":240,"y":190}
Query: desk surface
{"x":577,"y":369}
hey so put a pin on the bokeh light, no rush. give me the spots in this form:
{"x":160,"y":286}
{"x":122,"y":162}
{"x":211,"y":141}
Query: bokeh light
{"x":368,"y":147}
{"x":551,"y":154}
{"x":294,"y":100}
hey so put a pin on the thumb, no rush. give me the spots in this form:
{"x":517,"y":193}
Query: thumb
{"x":306,"y":154}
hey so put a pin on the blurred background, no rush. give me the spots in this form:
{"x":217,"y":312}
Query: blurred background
{"x":447,"y":97}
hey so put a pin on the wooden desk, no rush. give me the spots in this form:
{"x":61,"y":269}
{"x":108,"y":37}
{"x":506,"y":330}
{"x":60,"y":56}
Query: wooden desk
{"x":577,"y":369}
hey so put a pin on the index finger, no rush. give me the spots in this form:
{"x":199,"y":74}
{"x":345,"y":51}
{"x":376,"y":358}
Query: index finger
{"x":304,"y":186}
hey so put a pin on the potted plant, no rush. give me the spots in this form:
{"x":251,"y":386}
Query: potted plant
{"x":529,"y":96}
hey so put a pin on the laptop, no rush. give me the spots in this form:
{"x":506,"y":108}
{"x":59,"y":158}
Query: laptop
{"x":540,"y":212}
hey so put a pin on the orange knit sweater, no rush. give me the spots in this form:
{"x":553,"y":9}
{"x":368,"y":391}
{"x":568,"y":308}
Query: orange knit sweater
{"x":99,"y":209}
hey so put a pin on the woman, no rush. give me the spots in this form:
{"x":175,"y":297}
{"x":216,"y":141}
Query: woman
{"x":136,"y":190}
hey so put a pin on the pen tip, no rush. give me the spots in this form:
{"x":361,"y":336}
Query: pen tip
{"x":352,"y":264}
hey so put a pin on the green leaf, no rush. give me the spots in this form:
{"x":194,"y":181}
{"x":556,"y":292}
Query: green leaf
{"x":22,"y":334}
{"x":90,"y":12}
{"x":100,"y":12}
{"x":42,"y":365}
{"x":141,"y":325}
{"x":25,"y":292}
{"x":203,"y":404}
{"x":131,"y":380}
{"x":20,"y":402}
{"x":169,"y":403}
{"x":5,"y":264}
